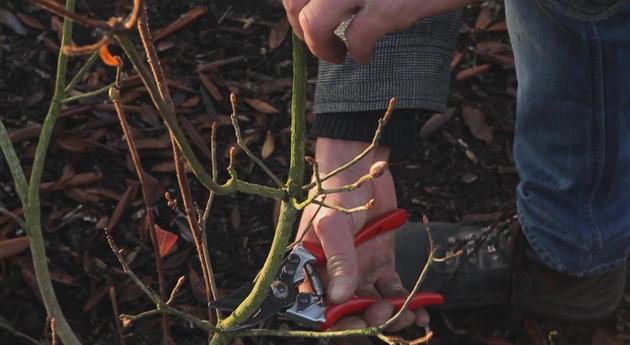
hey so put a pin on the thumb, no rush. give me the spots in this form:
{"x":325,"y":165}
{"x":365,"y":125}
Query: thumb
{"x":336,"y":237}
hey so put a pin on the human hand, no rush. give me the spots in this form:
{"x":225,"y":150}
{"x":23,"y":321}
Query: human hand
{"x":315,"y":21}
{"x":368,"y":270}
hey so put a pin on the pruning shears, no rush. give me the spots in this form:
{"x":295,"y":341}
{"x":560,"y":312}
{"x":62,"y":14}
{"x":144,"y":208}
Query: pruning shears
{"x":310,"y":309}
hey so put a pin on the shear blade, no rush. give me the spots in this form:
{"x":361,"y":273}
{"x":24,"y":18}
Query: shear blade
{"x":233,"y":300}
{"x":268,"y":309}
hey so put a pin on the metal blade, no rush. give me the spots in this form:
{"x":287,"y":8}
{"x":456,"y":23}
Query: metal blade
{"x":268,"y":309}
{"x":233,"y":300}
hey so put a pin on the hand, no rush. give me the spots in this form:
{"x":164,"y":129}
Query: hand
{"x":368,"y":270}
{"x":315,"y":21}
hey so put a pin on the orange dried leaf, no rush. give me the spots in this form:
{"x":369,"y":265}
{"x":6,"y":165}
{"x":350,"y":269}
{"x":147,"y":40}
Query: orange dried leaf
{"x":165,"y":239}
{"x":107,"y":57}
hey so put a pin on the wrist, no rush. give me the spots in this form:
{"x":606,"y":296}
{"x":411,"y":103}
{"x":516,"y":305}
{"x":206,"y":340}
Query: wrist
{"x":332,"y":153}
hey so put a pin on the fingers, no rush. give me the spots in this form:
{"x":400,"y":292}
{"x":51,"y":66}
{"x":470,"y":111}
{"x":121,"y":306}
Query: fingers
{"x":315,"y":21}
{"x":293,"y":9}
{"x":362,"y":34}
{"x":336,"y":236}
{"x":390,"y":285}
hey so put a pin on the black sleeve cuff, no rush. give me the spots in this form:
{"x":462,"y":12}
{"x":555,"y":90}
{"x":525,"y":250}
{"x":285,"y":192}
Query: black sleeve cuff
{"x":399,"y":134}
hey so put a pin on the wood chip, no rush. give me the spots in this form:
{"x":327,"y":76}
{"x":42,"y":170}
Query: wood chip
{"x":268,"y":146}
{"x":12,"y":247}
{"x":185,"y":19}
{"x":261,"y":106}
{"x":209,"y":85}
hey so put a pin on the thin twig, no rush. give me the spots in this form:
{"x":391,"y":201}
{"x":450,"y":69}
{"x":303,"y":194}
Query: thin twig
{"x":9,"y":329}
{"x":61,"y":11}
{"x":191,"y":216}
{"x":243,"y":146}
{"x":153,"y":296}
{"x":53,"y":331}
{"x":165,"y":309}
{"x":203,"y":220}
{"x":19,"y":221}
{"x":119,"y":329}
{"x":176,"y":289}
{"x":79,"y":76}
{"x":419,"y":281}
{"x":89,"y":94}
{"x":360,"y":208}
{"x":377,"y":135}
{"x":114,"y":95}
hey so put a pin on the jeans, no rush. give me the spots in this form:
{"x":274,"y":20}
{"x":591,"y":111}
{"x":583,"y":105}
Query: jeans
{"x":572,"y":138}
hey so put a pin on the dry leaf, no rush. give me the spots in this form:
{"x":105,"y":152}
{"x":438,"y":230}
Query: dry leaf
{"x":211,"y":87}
{"x":268,"y":146}
{"x":165,"y":239}
{"x":12,"y":247}
{"x":278,"y":33}
{"x":436,"y":122}
{"x":262,"y":106}
{"x":185,"y":19}
{"x":475,"y":120}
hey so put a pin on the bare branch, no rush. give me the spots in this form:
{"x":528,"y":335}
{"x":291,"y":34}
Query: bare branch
{"x":377,"y":135}
{"x":153,"y":296}
{"x":243,"y":146}
{"x":419,"y":281}
{"x":176,"y":289}
{"x":364,"y":207}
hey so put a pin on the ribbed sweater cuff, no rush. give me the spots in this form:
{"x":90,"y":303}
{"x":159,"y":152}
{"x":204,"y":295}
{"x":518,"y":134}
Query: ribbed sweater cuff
{"x":399,"y":133}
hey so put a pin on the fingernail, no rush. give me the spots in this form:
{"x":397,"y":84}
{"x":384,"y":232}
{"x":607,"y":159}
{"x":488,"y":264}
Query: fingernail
{"x":340,"y":289}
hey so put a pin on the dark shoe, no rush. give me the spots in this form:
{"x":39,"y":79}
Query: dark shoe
{"x":484,"y":274}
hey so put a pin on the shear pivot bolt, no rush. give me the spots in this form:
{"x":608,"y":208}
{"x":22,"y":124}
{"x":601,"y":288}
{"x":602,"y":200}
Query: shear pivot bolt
{"x":280,"y":289}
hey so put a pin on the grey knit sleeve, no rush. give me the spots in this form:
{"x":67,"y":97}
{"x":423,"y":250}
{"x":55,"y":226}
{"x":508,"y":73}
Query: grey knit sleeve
{"x":413,"y":65}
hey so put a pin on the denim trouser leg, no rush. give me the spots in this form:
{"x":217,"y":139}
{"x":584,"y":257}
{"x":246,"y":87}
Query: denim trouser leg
{"x":572,"y":141}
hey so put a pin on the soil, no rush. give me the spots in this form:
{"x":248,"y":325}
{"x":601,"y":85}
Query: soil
{"x":462,"y":170}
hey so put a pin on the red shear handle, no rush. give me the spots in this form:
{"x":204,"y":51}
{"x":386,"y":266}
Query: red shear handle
{"x":377,"y":226}
{"x":356,"y":305}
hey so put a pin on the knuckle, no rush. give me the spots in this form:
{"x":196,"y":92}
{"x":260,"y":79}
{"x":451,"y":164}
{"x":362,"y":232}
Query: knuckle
{"x":292,"y":7}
